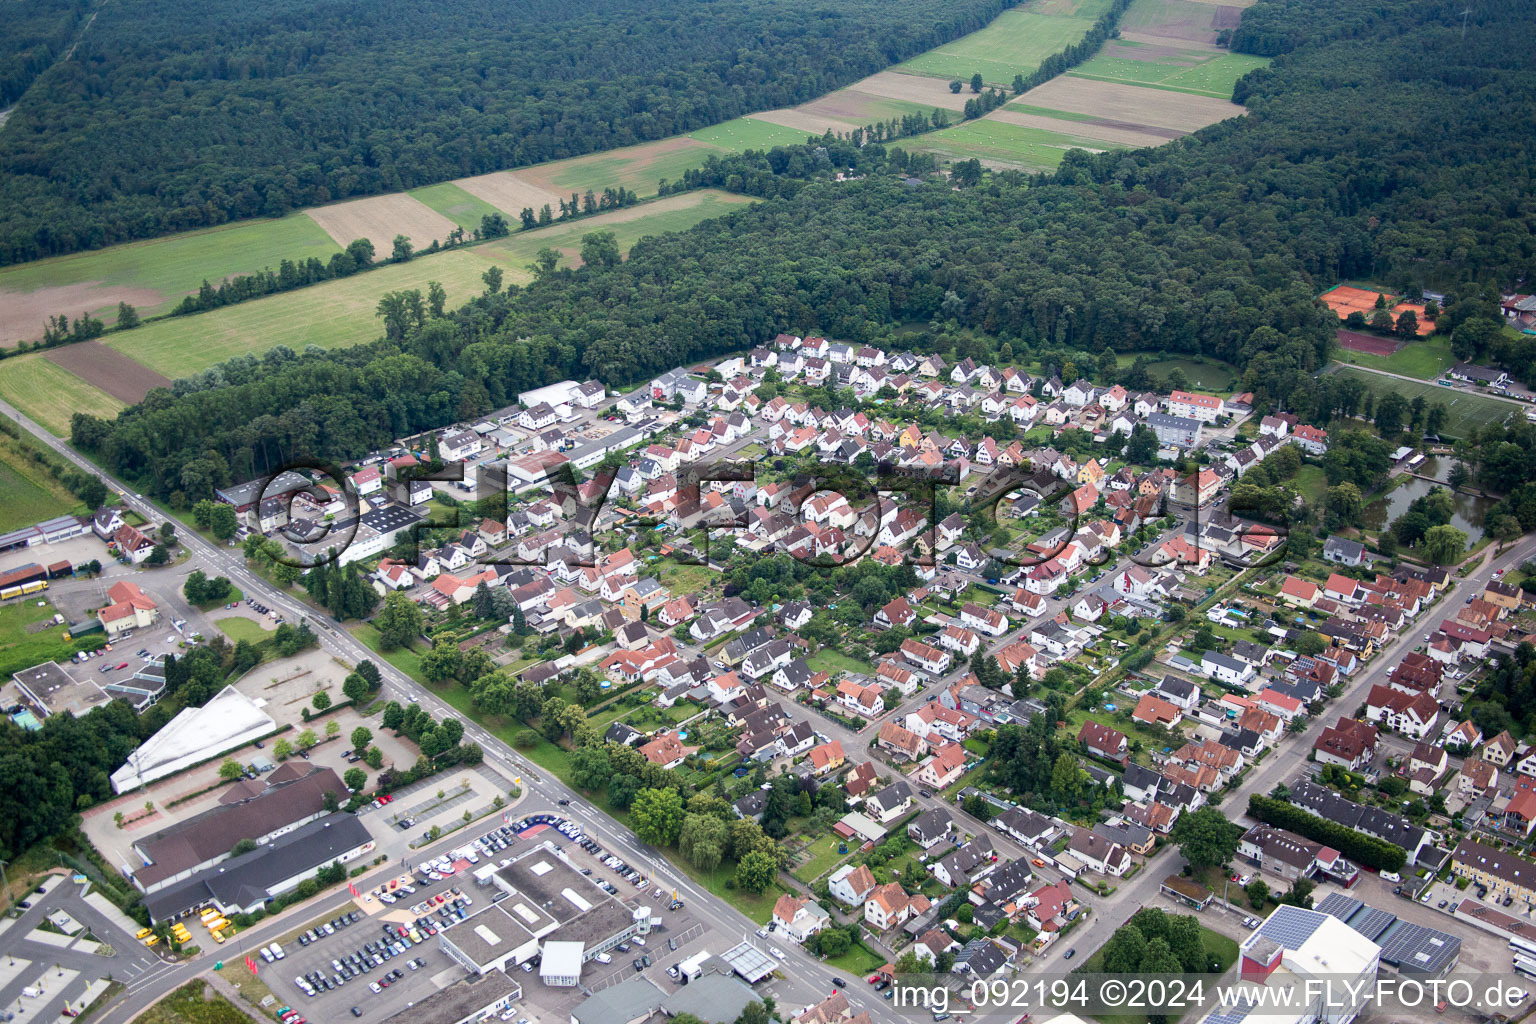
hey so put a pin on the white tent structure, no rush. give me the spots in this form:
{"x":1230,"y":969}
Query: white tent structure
{"x":229,"y":720}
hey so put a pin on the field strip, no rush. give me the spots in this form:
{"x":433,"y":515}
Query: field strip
{"x":379,"y":219}
{"x":108,"y":369}
{"x":25,"y":313}
{"x":920,"y":89}
{"x":509,"y":193}
{"x":862,"y":107}
{"x":1187,"y":90}
{"x":1152,"y":39}
{"x":50,"y":394}
{"x":1123,"y":135}
{"x":814,"y":124}
{"x":1132,"y":104}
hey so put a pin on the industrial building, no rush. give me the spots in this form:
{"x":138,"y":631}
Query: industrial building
{"x":229,"y":720}
{"x":1295,"y":946}
{"x":1412,"y":949}
{"x":481,"y":998}
{"x":550,"y":908}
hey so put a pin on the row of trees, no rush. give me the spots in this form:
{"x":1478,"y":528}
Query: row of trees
{"x":1374,"y":853}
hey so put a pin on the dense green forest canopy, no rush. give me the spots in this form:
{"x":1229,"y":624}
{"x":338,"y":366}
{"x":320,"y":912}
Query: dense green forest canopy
{"x":173,"y":116}
{"x":33,"y":34}
{"x":1215,"y":244}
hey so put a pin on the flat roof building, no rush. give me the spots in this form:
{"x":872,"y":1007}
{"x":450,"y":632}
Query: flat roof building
{"x":50,"y":689}
{"x":467,"y":1001}
{"x":229,"y":720}
{"x":625,"y":1003}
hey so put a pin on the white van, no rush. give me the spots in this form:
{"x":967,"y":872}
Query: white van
{"x":1391,"y":876}
{"x":603,"y":958}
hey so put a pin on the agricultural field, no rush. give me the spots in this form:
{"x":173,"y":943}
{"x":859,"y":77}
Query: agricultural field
{"x":333,"y":314}
{"x":1467,"y":411}
{"x":31,"y":493}
{"x":108,"y":369}
{"x":629,"y":225}
{"x":746,"y":133}
{"x":806,"y":122}
{"x":152,"y":276}
{"x":999,"y":143}
{"x":50,"y":394}
{"x":1131,"y":105}
{"x":459,"y":205}
{"x":634,"y":167}
{"x":1190,"y":21}
{"x":1203,"y":72}
{"x":1016,"y":42}
{"x":863,"y":107}
{"x":380,"y":219}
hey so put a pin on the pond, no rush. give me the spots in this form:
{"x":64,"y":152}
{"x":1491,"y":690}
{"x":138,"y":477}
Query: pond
{"x":1469,"y":510}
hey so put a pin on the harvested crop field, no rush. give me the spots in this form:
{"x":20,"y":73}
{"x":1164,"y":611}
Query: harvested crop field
{"x":1131,"y":104}
{"x":22,"y":314}
{"x":510,"y":193}
{"x":806,"y":121}
{"x":1102,"y":131}
{"x":108,"y":369}
{"x":457,"y":205}
{"x":923,"y":90}
{"x":50,"y":394}
{"x":380,"y":219}
{"x":634,"y":167}
{"x":1185,"y":20}
{"x":862,"y":107}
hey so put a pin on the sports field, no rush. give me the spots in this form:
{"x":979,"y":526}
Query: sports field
{"x":674,"y":213}
{"x":998,"y":143}
{"x":457,"y":205}
{"x":1467,"y":411}
{"x":335,"y":314}
{"x":1016,"y":42}
{"x":1193,"y":71}
{"x":1425,"y":359}
{"x":151,"y":275}
{"x":50,"y":394}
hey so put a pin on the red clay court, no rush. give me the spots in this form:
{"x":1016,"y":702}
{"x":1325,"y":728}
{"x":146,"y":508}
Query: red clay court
{"x":1372,"y":344}
{"x":1345,"y":299}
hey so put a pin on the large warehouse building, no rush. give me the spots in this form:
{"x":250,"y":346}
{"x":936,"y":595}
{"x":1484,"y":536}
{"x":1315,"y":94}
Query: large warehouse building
{"x":229,"y":720}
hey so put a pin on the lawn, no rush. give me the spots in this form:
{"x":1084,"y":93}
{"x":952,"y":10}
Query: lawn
{"x":1212,"y":74}
{"x":336,"y":314}
{"x":453,"y":202}
{"x":406,"y":660}
{"x":1310,"y":482}
{"x":824,"y":857}
{"x":50,"y":394}
{"x":746,"y":133}
{"x":1467,"y":411}
{"x":238,"y":627}
{"x":674,"y":213}
{"x":827,"y":660}
{"x":176,"y":265}
{"x":1210,"y":374}
{"x":31,"y":493}
{"x":1015,"y":43}
{"x":21,"y":648}
{"x":187,"y":1005}
{"x":1000,"y":143}
{"x":859,"y":959}
{"x":1425,"y":359}
{"x":685,"y":580}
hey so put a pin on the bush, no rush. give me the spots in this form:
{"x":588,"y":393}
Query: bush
{"x":1374,"y":853}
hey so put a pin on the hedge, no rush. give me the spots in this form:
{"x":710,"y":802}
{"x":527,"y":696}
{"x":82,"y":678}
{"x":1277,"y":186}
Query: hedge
{"x":1374,"y":853}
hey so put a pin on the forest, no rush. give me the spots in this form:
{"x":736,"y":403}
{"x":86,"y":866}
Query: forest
{"x":1215,"y":244}
{"x":33,"y":34}
{"x":172,"y":116}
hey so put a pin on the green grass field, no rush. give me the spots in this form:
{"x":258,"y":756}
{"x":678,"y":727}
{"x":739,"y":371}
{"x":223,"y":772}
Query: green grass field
{"x":1467,"y":411}
{"x":998,"y":143}
{"x":1213,"y":75}
{"x":1311,"y":483}
{"x":1016,"y":42}
{"x":635,"y":167}
{"x":674,"y":213}
{"x":746,"y":133}
{"x":826,"y":660}
{"x":453,"y":202}
{"x":31,"y":495}
{"x":50,"y":394}
{"x":335,"y":314}
{"x":177,"y":265}
{"x":866,"y":108}
{"x":1201,"y":373}
{"x":22,"y":648}
{"x":1425,"y":359}
{"x":238,"y":628}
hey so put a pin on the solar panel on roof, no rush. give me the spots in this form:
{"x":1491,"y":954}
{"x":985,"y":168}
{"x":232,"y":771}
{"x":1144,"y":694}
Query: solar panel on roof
{"x":1338,"y":905}
{"x":1372,"y":923}
{"x":1230,"y":1015}
{"x":1291,"y":927}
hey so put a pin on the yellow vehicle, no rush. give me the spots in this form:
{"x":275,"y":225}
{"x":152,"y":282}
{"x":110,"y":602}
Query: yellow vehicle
{"x":218,"y":937}
{"x":145,"y":933}
{"x":209,"y":914}
{"x":151,"y":940}
{"x":217,"y":923}
{"x":182,"y":935}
